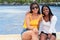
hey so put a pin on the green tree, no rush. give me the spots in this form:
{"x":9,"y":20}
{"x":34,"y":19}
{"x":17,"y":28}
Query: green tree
{"x":1,"y":1}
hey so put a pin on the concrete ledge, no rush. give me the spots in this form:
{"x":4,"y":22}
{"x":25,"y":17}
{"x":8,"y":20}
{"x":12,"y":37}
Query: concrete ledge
{"x":10,"y":37}
{"x":58,"y":36}
{"x":18,"y":37}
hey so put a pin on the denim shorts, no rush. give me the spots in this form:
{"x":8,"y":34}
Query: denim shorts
{"x":24,"y":30}
{"x":54,"y":34}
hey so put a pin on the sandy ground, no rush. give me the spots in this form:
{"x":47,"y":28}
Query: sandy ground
{"x":18,"y":37}
{"x":10,"y":37}
{"x":58,"y":36}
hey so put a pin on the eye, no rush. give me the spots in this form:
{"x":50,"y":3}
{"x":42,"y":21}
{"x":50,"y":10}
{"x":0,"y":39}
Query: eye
{"x":35,"y":7}
{"x":46,"y":9}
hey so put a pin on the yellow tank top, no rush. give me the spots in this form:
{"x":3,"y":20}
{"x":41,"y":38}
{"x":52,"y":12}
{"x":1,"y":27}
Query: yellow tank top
{"x":33,"y":23}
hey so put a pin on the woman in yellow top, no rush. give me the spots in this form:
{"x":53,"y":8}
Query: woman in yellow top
{"x":31,"y":23}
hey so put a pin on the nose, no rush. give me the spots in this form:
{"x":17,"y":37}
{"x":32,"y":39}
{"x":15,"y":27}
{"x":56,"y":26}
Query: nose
{"x":34,"y":8}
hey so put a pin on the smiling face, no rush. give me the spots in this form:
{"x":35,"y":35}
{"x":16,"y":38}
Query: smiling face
{"x":35,"y":8}
{"x":45,"y":10}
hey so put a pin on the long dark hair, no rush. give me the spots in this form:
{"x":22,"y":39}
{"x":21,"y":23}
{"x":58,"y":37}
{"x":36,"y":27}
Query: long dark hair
{"x":50,"y":13}
{"x":32,"y":5}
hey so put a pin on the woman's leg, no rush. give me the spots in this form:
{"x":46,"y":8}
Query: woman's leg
{"x":27,"y":35}
{"x":53,"y":37}
{"x":35,"y":36}
{"x":43,"y":36}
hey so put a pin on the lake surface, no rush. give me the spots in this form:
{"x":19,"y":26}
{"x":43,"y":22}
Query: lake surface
{"x":12,"y":18}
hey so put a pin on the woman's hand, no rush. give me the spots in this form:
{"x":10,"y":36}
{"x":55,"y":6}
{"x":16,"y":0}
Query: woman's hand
{"x":49,"y":35}
{"x":35,"y":30}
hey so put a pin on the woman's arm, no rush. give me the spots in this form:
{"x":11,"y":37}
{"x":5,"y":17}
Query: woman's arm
{"x":53,"y":22}
{"x":40,"y":21}
{"x":27,"y":18}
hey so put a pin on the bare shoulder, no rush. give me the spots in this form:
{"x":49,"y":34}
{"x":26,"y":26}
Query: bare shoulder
{"x":28,"y":14}
{"x":40,"y":15}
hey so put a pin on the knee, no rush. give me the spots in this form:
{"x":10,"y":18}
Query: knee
{"x":23,"y":36}
{"x":43,"y":37}
{"x":26,"y":36}
{"x":53,"y":37}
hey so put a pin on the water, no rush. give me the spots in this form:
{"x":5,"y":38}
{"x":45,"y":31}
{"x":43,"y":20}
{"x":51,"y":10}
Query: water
{"x":12,"y":18}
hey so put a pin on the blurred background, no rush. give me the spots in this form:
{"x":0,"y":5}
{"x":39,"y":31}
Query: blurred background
{"x":12,"y":13}
{"x":27,"y":2}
